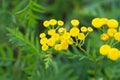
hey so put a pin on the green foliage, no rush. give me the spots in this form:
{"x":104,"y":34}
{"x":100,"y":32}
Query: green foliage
{"x":21,"y":57}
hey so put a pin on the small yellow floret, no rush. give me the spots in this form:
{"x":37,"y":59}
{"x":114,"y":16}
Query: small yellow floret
{"x":113,"y":54}
{"x":43,"y":40}
{"x":44,"y":47}
{"x":104,"y":49}
{"x":51,"y":31}
{"x":81,"y":36}
{"x":89,"y":29}
{"x":62,"y":30}
{"x":75,"y":22}
{"x":58,"y":47}
{"x":46,"y":23}
{"x":83,"y":29}
{"x":111,"y":32}
{"x":117,"y":36}
{"x":104,"y":37}
{"x":42,"y":35}
{"x":97,"y":23}
{"x":60,"y":23}
{"x":112,"y":23}
{"x":74,"y":31}
{"x":53,"y":22}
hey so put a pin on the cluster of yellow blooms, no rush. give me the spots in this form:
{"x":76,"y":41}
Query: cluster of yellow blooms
{"x":59,"y":38}
{"x":110,"y":36}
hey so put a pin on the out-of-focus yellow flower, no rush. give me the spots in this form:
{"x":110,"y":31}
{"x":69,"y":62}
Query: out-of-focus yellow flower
{"x":51,"y":42}
{"x":70,"y":41}
{"x":46,"y":23}
{"x":111,"y":32}
{"x":58,"y":47}
{"x":42,"y":35}
{"x":51,"y":31}
{"x":89,"y":29}
{"x":75,"y":22}
{"x":43,"y":40}
{"x":104,"y":37}
{"x":83,"y":29}
{"x":104,"y":21}
{"x":55,"y":36}
{"x":60,"y":23}
{"x":81,"y":36}
{"x":64,"y":45}
{"x":66,"y":35}
{"x":74,"y":31}
{"x":104,"y":49}
{"x":112,"y":23}
{"x":117,"y":36}
{"x":113,"y":54}
{"x":53,"y":22}
{"x":44,"y":47}
{"x":62,"y":30}
{"x":97,"y":23}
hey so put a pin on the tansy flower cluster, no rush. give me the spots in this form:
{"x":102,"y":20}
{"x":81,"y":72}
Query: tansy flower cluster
{"x":110,"y":36}
{"x":59,"y":38}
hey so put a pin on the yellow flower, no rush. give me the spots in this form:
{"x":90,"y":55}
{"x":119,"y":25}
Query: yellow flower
{"x":64,"y":45}
{"x":97,"y":23}
{"x":104,"y":37}
{"x":55,"y":36}
{"x":104,"y":49}
{"x":42,"y":35}
{"x":112,"y":23}
{"x":66,"y":36}
{"x":51,"y":31}
{"x":44,"y":47}
{"x":60,"y":23}
{"x":43,"y":40}
{"x":46,"y":23}
{"x":62,"y":30}
{"x":51,"y":42}
{"x":53,"y":22}
{"x":83,"y":29}
{"x":111,"y":32}
{"x":58,"y":47}
{"x":89,"y":29}
{"x":75,"y":22}
{"x":81,"y":36}
{"x":117,"y":36}
{"x":113,"y":54}
{"x":104,"y":21}
{"x":74,"y":31}
{"x":70,"y":41}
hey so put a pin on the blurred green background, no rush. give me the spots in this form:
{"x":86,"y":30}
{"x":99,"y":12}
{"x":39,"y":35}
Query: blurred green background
{"x":21,"y":57}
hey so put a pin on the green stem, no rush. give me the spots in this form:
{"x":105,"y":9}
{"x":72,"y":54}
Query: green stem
{"x":86,"y":53}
